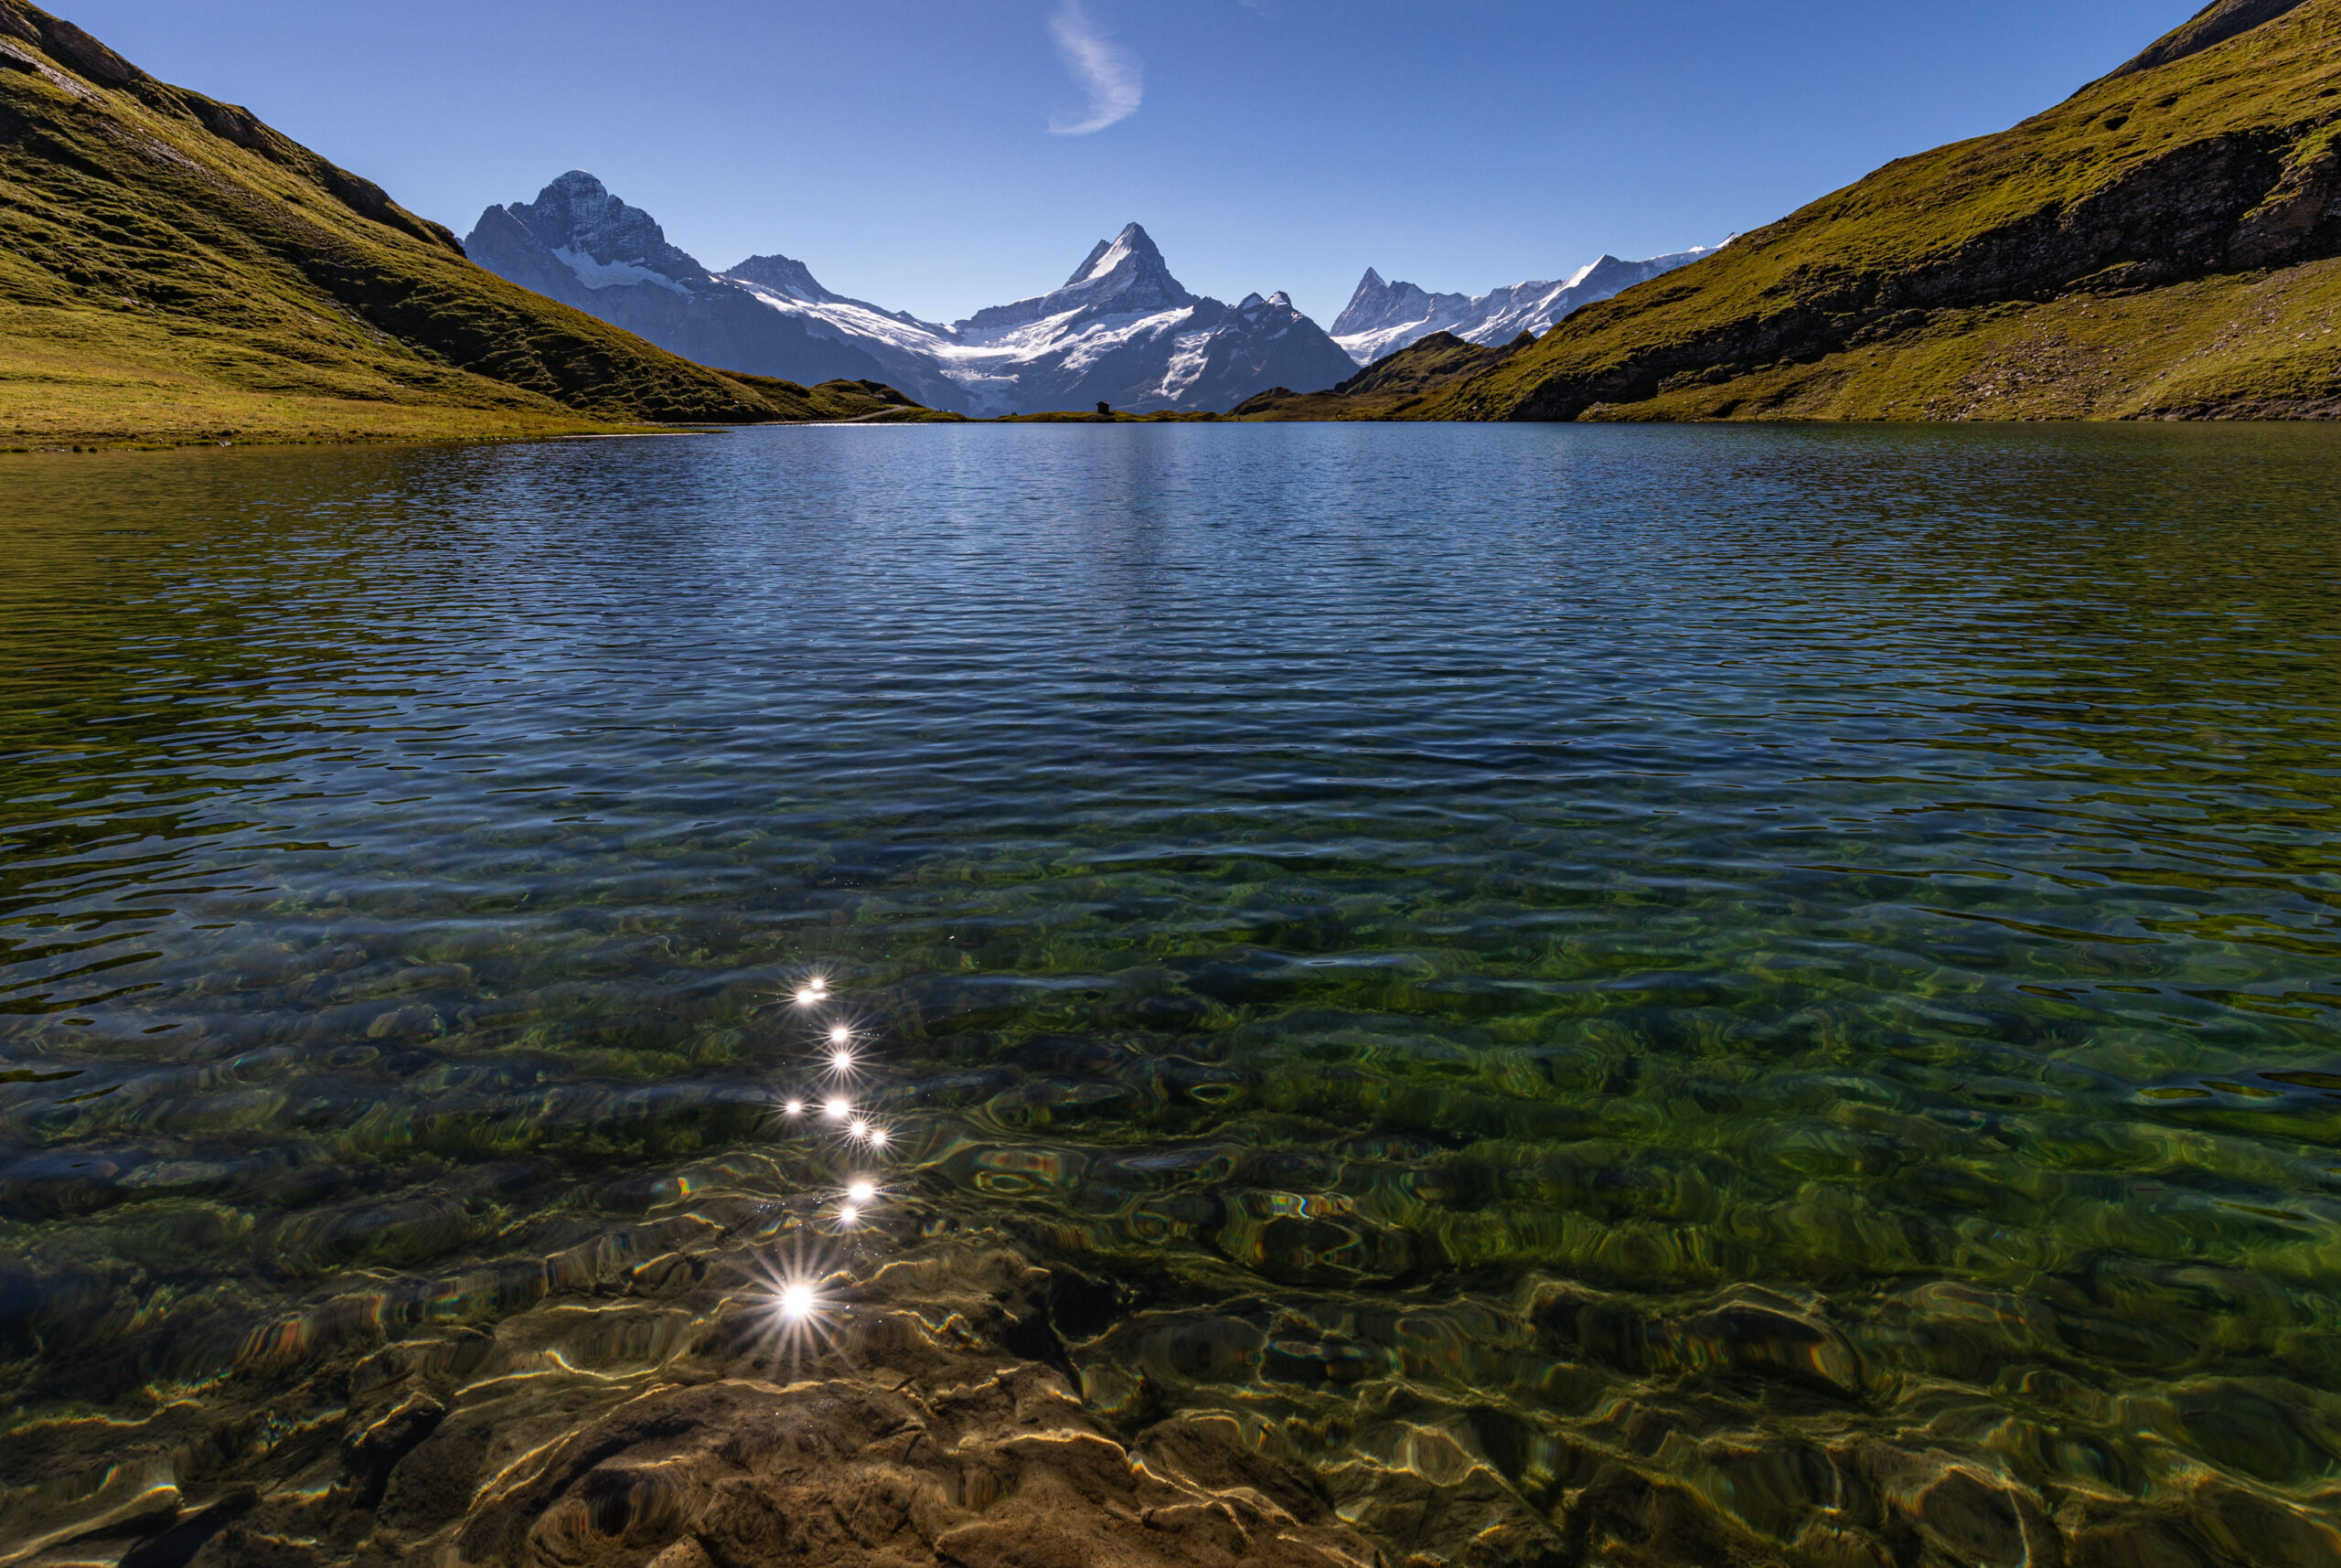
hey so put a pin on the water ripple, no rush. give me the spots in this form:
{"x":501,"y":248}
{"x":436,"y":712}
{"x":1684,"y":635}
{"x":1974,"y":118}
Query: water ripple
{"x":1797,"y":962}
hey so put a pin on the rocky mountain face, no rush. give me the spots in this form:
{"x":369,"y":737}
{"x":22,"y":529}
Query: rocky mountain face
{"x":1121,"y":329}
{"x":580,"y":245}
{"x":1384,"y":317}
{"x":2166,"y":243}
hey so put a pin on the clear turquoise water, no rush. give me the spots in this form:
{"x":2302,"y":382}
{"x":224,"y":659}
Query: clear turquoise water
{"x":1660,"y":944}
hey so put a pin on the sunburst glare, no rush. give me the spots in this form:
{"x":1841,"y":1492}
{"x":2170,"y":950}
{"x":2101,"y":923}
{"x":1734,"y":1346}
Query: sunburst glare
{"x":796,"y":1300}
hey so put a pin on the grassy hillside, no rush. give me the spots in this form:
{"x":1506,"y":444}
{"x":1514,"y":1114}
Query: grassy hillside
{"x":1393,"y":387}
{"x":173,"y":269}
{"x":2159,"y":245}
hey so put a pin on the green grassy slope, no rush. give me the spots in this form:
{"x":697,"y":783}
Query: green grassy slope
{"x":171,"y":270}
{"x":2159,"y":245}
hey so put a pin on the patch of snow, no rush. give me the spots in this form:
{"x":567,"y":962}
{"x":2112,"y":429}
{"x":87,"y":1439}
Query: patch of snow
{"x":1115,"y":254}
{"x":1190,"y":355}
{"x":599,"y":275}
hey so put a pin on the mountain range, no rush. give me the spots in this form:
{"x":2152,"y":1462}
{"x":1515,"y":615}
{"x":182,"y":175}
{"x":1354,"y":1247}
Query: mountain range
{"x":1121,"y":330}
{"x":1384,"y":317}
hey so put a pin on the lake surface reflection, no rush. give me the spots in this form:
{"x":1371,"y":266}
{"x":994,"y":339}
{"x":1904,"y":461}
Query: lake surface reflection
{"x":1596,"y":995}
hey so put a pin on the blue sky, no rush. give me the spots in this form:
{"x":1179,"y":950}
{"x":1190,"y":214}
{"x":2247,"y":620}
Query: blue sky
{"x":939,"y":156}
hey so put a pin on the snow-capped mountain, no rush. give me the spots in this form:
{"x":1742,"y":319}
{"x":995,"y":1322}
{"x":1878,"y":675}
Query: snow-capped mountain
{"x":1382,"y":317}
{"x":1121,"y":330}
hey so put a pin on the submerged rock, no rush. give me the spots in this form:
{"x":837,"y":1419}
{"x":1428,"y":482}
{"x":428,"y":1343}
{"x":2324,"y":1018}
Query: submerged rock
{"x":642,"y":1399}
{"x":894,"y":1429}
{"x":843,"y":1472}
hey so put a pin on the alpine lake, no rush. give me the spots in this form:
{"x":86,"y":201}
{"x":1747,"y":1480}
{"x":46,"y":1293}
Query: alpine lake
{"x":1453,"y":995}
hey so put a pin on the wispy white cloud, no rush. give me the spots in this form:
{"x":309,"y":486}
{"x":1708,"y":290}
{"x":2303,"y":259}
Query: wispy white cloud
{"x":1109,"y":73}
